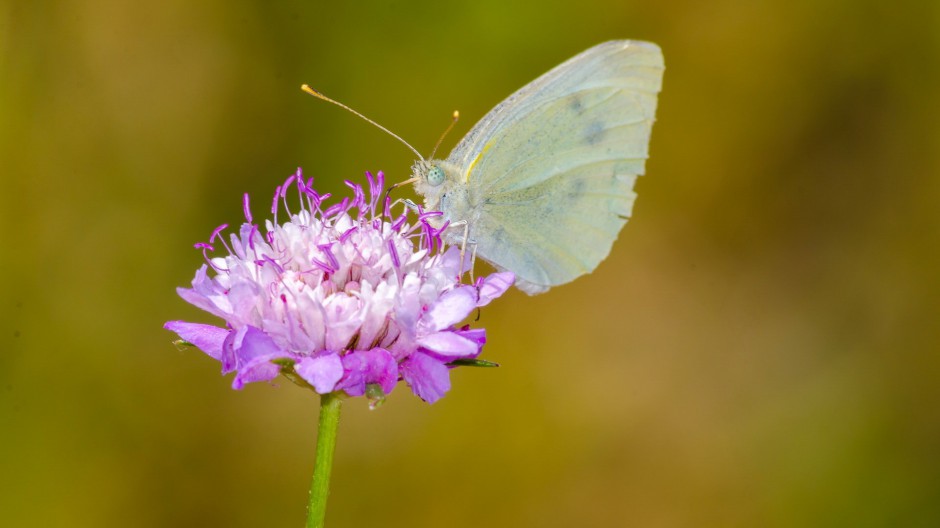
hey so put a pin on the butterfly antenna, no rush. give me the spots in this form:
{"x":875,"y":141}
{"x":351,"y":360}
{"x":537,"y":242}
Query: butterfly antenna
{"x":449,"y":128}
{"x":319,"y":95}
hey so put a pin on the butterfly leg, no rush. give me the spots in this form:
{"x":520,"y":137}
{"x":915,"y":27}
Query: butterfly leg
{"x":473,"y":261}
{"x":463,"y":247}
{"x":464,"y":241}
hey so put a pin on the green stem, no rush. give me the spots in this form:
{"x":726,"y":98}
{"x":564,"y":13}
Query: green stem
{"x":326,"y":444}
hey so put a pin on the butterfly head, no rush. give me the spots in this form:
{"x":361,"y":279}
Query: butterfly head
{"x":437,"y":182}
{"x":429,"y":178}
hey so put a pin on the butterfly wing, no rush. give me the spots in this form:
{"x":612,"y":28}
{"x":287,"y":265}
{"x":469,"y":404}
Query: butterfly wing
{"x":550,"y":170}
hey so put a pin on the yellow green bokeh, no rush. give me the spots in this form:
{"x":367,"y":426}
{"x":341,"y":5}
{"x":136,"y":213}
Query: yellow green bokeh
{"x":760,"y":349}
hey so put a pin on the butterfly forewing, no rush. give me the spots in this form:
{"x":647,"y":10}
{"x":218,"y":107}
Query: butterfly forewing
{"x":550,"y":170}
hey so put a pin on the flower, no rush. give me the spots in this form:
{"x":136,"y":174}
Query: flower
{"x":345,"y":297}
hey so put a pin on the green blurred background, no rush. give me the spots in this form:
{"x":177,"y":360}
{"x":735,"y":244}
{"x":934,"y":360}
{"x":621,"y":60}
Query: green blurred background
{"x":760,"y":349}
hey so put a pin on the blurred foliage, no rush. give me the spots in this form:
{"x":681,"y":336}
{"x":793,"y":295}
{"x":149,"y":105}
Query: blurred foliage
{"x":760,"y":349}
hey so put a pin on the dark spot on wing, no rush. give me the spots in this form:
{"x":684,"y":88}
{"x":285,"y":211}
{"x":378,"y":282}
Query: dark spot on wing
{"x":575,"y":189}
{"x":594,"y":133}
{"x":576,"y":105}
{"x":499,"y":237}
{"x":500,"y":233}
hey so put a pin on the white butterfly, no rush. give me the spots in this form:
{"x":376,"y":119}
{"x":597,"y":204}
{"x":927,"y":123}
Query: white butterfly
{"x":544,"y":182}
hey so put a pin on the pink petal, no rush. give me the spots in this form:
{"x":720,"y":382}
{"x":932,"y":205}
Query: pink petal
{"x":322,"y":371}
{"x":477,"y":335}
{"x":449,"y":345}
{"x":207,"y":338}
{"x":229,"y":363}
{"x":246,"y":344}
{"x":343,"y":319}
{"x":368,"y":366}
{"x":200,"y":300}
{"x":449,"y":309}
{"x":260,"y":369}
{"x":495,"y":285}
{"x":255,"y":343}
{"x":428,"y":377}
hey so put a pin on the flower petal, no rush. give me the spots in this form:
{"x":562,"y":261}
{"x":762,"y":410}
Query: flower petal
{"x":495,"y":285}
{"x":429,"y":378}
{"x":449,"y":345}
{"x":343,"y":318}
{"x":207,"y":338}
{"x":323,"y":371}
{"x":368,"y":366}
{"x":246,"y":344}
{"x":229,"y":363}
{"x":451,"y":262}
{"x":259,"y":369}
{"x":449,"y":309}
{"x":477,"y":335}
{"x":255,"y":343}
{"x":206,"y":294}
{"x":312,"y":317}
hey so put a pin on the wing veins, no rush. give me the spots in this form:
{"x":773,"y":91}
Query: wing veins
{"x":564,"y":153}
{"x":561,"y":171}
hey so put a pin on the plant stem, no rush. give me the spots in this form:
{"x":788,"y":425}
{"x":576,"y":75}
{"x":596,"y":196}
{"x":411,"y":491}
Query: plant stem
{"x":326,"y":444}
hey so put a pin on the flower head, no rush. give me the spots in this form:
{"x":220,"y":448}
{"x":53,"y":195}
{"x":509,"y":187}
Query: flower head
{"x":345,"y":297}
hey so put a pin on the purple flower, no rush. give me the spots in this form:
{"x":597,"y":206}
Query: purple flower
{"x":343,"y":297}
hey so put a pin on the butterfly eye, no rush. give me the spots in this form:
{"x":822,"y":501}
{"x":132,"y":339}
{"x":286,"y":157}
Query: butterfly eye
{"x":435,"y":176}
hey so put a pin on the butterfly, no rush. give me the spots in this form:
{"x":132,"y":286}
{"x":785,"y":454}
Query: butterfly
{"x":543,"y":183}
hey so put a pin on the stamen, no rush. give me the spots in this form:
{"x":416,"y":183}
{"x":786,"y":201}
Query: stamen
{"x":322,"y":265}
{"x":251,"y":236}
{"x":216,"y":232}
{"x":348,"y":233}
{"x":376,"y":190}
{"x":396,"y":226}
{"x":327,"y":250}
{"x":371,"y":182}
{"x":359,"y":200}
{"x":290,"y":179}
{"x":430,"y":214}
{"x":313,"y":200}
{"x":274,"y":263}
{"x":336,"y":208}
{"x":427,"y":236}
{"x":284,"y":190}
{"x":246,"y":208}
{"x":386,"y":212}
{"x":277,"y":196}
{"x":394,"y":253}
